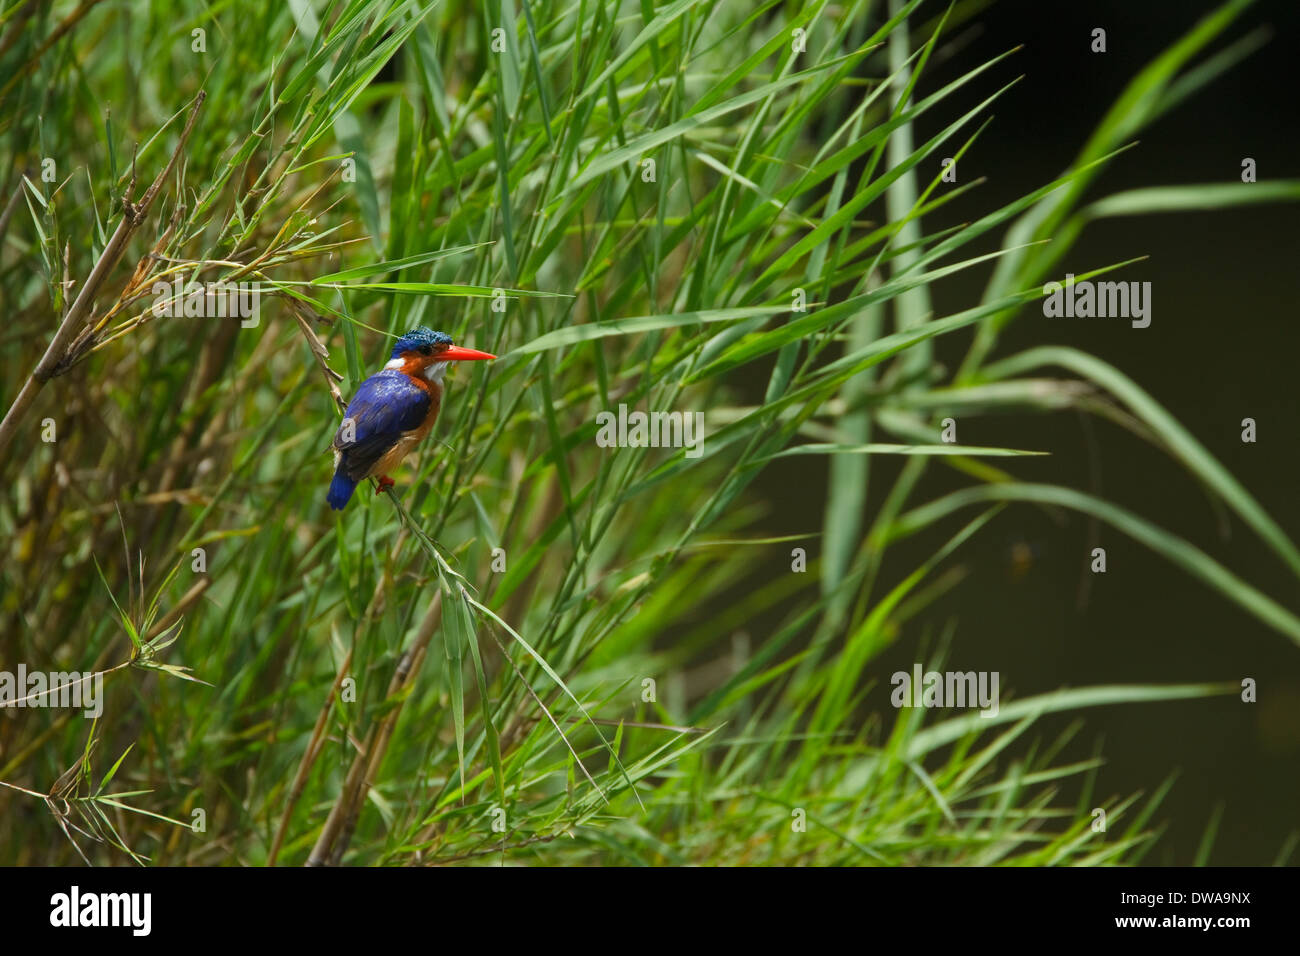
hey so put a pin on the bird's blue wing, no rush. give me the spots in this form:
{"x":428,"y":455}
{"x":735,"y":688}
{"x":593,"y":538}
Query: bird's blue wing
{"x":385,"y":406}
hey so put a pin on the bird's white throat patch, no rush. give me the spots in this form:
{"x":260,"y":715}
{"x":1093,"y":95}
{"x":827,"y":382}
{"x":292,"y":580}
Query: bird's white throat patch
{"x":432,"y":373}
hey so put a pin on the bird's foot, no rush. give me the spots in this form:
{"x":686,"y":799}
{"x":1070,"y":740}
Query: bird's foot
{"x":384,"y":484}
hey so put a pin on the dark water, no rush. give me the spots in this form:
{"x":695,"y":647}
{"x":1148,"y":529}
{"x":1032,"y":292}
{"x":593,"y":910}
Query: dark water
{"x":1222,"y":346}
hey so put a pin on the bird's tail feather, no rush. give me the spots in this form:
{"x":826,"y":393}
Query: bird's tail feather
{"x":340,"y":492}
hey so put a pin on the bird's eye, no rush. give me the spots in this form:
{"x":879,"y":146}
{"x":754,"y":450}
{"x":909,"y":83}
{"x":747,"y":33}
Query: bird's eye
{"x":426,"y":349}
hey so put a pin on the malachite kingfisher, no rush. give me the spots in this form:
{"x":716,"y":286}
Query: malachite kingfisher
{"x":393,"y":410}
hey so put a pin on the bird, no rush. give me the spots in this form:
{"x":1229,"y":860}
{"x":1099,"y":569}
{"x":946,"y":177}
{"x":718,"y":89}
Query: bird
{"x":393,"y":410}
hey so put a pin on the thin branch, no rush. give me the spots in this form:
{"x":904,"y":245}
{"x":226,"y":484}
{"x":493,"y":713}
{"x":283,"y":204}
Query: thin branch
{"x":133,"y":215}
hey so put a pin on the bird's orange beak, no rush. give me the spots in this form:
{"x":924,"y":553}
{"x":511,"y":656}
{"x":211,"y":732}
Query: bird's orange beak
{"x":458,"y":353}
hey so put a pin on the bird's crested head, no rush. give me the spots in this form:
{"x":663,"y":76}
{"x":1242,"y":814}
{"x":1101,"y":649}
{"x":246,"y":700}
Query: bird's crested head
{"x":421,"y":341}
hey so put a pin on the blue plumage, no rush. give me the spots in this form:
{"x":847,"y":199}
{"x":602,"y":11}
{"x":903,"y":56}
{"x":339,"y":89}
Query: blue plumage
{"x":341,"y":488}
{"x":386,"y":406}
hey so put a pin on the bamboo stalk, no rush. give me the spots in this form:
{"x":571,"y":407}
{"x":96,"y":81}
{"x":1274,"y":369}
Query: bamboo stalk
{"x":133,"y":216}
{"x":308,"y":759}
{"x":336,"y":833}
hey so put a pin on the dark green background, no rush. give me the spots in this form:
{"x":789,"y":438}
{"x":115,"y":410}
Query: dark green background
{"x":1221,"y":347}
